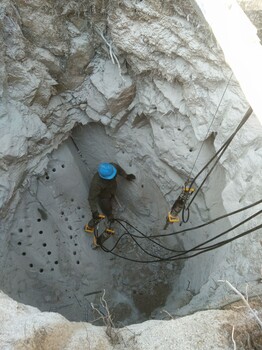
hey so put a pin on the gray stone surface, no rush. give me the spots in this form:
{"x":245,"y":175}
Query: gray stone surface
{"x":25,"y":327}
{"x":155,"y":111}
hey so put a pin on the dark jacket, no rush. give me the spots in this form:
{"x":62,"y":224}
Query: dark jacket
{"x":103,"y":189}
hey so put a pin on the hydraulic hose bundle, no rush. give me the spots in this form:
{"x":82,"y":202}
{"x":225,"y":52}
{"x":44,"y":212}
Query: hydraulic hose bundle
{"x":181,"y":203}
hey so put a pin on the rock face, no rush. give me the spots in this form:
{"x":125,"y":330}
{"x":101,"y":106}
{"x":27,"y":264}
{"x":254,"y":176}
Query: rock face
{"x":253,"y":9}
{"x":144,"y":84}
{"x":49,"y":331}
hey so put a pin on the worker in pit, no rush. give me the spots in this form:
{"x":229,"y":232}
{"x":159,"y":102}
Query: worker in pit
{"x":102,"y":191}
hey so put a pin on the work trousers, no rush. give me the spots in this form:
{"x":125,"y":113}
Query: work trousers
{"x":105,"y":205}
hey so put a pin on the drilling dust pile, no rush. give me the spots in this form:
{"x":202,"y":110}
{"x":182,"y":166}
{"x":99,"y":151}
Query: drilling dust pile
{"x":143,"y":84}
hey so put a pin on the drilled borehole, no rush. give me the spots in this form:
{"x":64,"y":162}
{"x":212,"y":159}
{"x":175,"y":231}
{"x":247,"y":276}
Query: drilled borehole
{"x":44,"y":244}
{"x":24,"y":253}
{"x":41,"y":270}
{"x":63,"y":165}
{"x":31,"y":265}
{"x":40,"y":232}
{"x":39,"y":220}
{"x":20,"y":230}
{"x":49,"y":253}
{"x":54,"y":170}
{"x":19,"y":243}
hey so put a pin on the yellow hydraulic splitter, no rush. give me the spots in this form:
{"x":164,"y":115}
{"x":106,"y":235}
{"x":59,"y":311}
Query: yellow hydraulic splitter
{"x":178,"y":205}
{"x":92,"y":227}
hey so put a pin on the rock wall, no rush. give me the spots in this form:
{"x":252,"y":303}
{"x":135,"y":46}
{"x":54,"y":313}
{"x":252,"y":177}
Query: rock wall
{"x":149,"y":77}
{"x":32,"y":329}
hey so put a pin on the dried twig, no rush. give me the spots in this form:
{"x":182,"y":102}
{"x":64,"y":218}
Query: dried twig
{"x":171,"y":317}
{"x":235,"y":346}
{"x":107,"y":319}
{"x":244,"y":300}
{"x":113,"y":56}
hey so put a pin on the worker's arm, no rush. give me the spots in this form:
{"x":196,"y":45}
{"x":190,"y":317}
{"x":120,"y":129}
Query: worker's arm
{"x":121,"y":172}
{"x":94,"y":191}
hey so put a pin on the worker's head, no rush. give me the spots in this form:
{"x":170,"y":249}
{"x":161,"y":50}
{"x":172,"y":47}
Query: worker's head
{"x":106,"y":171}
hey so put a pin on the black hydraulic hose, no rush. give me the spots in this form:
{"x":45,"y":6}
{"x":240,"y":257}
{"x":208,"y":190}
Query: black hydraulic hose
{"x":145,"y":236}
{"x":183,"y":215}
{"x":191,"y":256}
{"x":222,"y":150}
{"x":222,"y":243}
{"x":192,"y":228}
{"x":118,"y":240}
{"x":231,"y":229}
{"x":217,"y":236}
{"x":129,"y":234}
{"x":183,"y":253}
{"x":209,"y":172}
{"x":228,"y":141}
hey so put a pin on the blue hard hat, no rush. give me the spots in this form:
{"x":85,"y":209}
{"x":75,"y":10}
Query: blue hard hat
{"x":107,"y":171}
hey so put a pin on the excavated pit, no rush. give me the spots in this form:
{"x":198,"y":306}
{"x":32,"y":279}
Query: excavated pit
{"x":158,"y":117}
{"x":50,"y":263}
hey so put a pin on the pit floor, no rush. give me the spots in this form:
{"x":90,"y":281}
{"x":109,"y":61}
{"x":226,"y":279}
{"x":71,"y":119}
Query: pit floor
{"x":49,"y":262}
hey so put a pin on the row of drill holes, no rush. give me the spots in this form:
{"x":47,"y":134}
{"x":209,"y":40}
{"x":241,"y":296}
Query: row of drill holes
{"x":44,"y":244}
{"x":54,"y":170}
{"x":162,"y":127}
{"x":31,"y":265}
{"x":40,"y":270}
{"x":41,"y":232}
{"x":52,"y":269}
{"x":190,"y":149}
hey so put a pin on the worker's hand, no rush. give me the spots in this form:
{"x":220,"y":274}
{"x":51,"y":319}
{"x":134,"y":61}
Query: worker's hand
{"x":130,"y":177}
{"x":95,"y":215}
